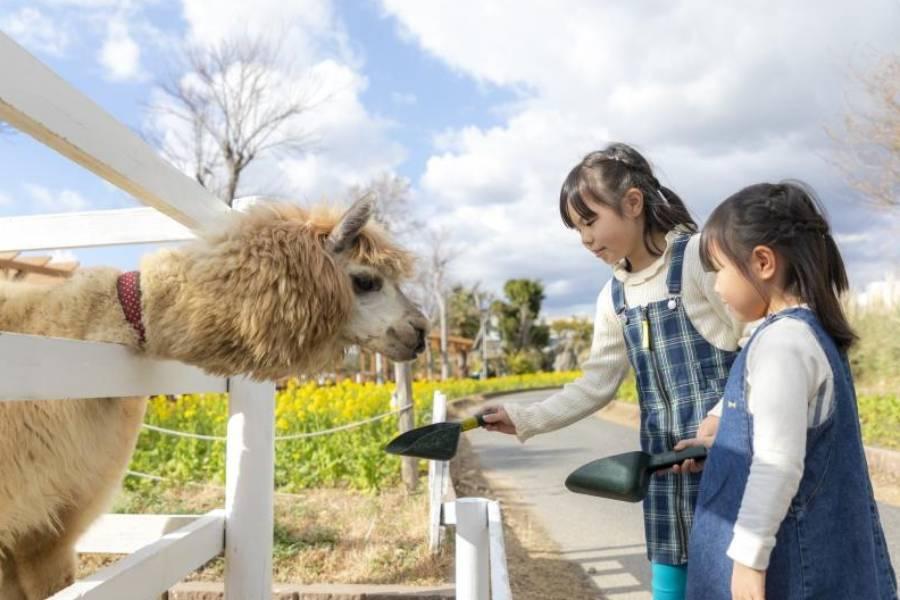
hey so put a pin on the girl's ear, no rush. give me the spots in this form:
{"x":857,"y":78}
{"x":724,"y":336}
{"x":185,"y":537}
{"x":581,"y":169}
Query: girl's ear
{"x":633,"y":203}
{"x":764,"y":263}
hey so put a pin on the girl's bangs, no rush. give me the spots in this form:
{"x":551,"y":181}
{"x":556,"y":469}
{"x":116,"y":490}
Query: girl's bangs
{"x":571,"y":195}
{"x":713,"y":237}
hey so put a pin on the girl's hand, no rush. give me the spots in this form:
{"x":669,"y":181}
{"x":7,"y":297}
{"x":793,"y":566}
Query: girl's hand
{"x":747,"y":583}
{"x":706,"y":435}
{"x":499,"y":421}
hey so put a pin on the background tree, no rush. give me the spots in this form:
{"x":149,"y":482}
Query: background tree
{"x":573,"y":343}
{"x":523,"y":337}
{"x":582,"y":329}
{"x":393,"y":203}
{"x":868,"y":149}
{"x":483,"y":301}
{"x":519,"y":314}
{"x":463,"y":316}
{"x":430,"y":288}
{"x":234,"y":102}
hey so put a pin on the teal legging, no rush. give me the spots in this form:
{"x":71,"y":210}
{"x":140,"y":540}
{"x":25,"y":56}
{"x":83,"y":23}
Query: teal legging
{"x":669,"y":581}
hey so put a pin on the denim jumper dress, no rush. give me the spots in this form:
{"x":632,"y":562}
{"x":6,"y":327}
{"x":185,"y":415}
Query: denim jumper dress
{"x":830,"y":545}
{"x":679,"y":376}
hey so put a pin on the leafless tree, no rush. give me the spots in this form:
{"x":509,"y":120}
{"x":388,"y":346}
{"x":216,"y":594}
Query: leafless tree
{"x":483,"y":300}
{"x":868,"y":148}
{"x":431,"y":286}
{"x":233,"y":103}
{"x":392,"y":203}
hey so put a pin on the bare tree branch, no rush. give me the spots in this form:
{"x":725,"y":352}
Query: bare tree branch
{"x":392,"y":205}
{"x":234,"y":102}
{"x":868,"y":148}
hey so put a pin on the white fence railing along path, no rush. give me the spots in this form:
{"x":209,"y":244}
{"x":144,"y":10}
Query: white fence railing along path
{"x":38,"y":102}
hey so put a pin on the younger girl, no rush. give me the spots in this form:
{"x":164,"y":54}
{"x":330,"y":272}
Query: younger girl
{"x":660,"y":314}
{"x":785,"y":507}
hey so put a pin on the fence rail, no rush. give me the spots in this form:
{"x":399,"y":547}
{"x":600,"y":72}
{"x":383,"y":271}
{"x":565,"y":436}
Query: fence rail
{"x":154,"y":568}
{"x":94,"y":229}
{"x":38,"y":102}
{"x":90,"y":370}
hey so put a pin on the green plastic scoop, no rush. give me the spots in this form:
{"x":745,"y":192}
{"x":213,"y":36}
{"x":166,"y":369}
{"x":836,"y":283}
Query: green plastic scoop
{"x":437,"y":441}
{"x":626,"y":476}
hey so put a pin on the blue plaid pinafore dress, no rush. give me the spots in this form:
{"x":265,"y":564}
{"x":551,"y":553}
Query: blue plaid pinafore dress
{"x":680,"y":376}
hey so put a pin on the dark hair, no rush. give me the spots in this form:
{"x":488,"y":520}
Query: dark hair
{"x":606,"y":175}
{"x":788,"y":218}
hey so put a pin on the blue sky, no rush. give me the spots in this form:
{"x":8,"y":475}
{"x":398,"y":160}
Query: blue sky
{"x":484,"y":106}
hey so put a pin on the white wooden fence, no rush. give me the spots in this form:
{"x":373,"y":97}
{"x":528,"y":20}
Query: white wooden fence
{"x":481,"y":572}
{"x":163,"y":549}
{"x":37,"y":102}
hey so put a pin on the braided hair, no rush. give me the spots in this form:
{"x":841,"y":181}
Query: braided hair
{"x":788,"y":218}
{"x":606,"y":175}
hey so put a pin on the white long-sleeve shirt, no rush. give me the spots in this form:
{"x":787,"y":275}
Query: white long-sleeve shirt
{"x":789,"y":387}
{"x":607,"y":364}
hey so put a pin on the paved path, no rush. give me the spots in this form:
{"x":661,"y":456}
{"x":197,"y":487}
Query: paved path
{"x":604,"y":536}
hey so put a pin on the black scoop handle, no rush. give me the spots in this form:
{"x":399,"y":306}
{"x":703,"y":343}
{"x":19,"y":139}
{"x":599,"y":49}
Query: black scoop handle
{"x":671,"y":458}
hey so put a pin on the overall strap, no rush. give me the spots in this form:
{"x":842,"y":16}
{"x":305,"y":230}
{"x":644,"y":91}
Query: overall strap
{"x":618,"y":296}
{"x":676,"y":266}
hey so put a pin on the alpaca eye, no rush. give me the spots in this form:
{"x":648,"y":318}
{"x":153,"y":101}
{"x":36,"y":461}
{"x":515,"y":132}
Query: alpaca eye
{"x":365,"y":283}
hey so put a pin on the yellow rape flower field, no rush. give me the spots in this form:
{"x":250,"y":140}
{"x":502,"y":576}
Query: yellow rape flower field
{"x":341,"y":514}
{"x":348,"y":459}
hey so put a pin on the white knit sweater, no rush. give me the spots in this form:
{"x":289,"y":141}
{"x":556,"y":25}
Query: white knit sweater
{"x":607,"y":365}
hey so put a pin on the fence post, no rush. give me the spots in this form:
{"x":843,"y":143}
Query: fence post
{"x":499,"y":570}
{"x":406,"y":421}
{"x":438,"y":480}
{"x":249,"y":483}
{"x":472,"y":549}
{"x":379,"y":368}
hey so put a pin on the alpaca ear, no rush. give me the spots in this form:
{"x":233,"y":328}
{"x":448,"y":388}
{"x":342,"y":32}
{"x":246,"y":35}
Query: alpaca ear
{"x":346,"y":231}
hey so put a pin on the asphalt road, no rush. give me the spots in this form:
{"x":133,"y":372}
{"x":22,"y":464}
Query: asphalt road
{"x":605,"y":537}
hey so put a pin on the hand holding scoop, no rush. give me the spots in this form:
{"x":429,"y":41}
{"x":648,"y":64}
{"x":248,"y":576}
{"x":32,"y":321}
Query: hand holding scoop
{"x":626,"y":476}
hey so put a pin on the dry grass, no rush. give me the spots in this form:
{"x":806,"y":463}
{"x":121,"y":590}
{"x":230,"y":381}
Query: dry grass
{"x":323,"y":536}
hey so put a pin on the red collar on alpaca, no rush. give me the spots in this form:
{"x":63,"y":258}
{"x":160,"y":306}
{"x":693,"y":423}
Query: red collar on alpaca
{"x":128,"y":286}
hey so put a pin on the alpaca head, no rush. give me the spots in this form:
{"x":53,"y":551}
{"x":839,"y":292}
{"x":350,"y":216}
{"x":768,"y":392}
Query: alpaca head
{"x":382,"y":318}
{"x":280,"y":290}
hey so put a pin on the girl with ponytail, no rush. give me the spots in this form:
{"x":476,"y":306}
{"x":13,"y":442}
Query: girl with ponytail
{"x":785,"y":508}
{"x":660,"y":315}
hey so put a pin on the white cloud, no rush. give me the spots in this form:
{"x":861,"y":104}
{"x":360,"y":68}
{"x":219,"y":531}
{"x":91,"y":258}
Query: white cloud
{"x":309,"y":31}
{"x":48,"y":201}
{"x":717,"y":95}
{"x":351,"y":145}
{"x":5,"y":200}
{"x":120,"y":54}
{"x":37,"y":32}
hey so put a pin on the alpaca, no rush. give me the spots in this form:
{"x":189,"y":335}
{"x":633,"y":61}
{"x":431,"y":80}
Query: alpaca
{"x":272,"y":292}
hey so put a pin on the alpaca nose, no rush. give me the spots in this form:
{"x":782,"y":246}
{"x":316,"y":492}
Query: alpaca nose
{"x":420,"y":338}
